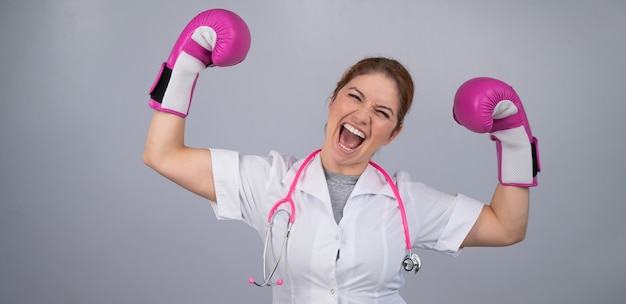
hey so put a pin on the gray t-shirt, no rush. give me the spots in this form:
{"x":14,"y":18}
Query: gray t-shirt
{"x":339,"y":186}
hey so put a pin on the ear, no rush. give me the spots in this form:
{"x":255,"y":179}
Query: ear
{"x":395,"y":133}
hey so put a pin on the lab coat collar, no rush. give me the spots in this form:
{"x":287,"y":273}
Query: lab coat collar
{"x":313,"y":181}
{"x":372,"y":182}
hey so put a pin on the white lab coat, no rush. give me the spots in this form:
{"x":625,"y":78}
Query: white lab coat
{"x":369,"y":239}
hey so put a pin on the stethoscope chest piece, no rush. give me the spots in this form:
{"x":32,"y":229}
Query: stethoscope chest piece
{"x":412,"y":262}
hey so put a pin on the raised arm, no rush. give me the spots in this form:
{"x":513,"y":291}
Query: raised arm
{"x":489,"y":105}
{"x":213,"y":38}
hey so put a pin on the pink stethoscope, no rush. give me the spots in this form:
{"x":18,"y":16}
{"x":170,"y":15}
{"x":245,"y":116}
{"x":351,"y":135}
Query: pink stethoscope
{"x":411,"y":261}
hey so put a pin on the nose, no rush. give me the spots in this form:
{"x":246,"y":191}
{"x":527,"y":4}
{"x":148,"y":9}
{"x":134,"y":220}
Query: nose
{"x":363,"y":115}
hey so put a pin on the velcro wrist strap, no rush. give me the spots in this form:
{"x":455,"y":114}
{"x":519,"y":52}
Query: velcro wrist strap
{"x":160,"y":85}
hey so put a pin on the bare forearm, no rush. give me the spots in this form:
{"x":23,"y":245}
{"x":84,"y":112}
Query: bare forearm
{"x":510,"y":204}
{"x":166,"y":136}
{"x":504,"y":221}
{"x":166,"y":153}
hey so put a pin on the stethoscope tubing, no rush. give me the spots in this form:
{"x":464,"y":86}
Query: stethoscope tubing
{"x":396,"y":193}
{"x":413,"y":259}
{"x":292,"y":188}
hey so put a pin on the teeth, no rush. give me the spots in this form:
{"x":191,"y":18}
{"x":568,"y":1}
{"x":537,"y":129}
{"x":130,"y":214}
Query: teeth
{"x":345,"y":148}
{"x":354,"y":131}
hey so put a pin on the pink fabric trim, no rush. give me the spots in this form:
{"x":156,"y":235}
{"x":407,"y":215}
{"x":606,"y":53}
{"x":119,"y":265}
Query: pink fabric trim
{"x":157,"y":106}
{"x":194,"y":49}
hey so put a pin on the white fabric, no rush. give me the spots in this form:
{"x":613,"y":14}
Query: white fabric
{"x":516,"y":160}
{"x":205,"y":36}
{"x":516,"y":156}
{"x":503,"y":109}
{"x":370,"y":236}
{"x":177,"y":97}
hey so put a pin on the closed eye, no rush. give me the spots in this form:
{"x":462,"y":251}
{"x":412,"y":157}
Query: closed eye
{"x":354,"y":93}
{"x":383,"y":113}
{"x":354,"y":96}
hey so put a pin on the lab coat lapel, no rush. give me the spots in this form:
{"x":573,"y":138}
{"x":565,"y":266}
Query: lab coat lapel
{"x":372,"y":182}
{"x":312,"y":179}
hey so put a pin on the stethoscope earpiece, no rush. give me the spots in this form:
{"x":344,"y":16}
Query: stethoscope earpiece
{"x":265,"y":283}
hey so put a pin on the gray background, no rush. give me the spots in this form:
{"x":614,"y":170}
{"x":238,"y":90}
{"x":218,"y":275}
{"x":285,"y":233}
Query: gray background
{"x":83,"y":220}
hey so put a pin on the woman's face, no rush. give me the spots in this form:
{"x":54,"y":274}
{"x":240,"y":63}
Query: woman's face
{"x":361,"y":119}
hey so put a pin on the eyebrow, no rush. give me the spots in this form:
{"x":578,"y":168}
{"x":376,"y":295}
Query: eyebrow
{"x":378,"y":106}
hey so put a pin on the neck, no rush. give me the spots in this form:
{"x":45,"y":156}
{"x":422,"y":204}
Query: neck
{"x":330,"y":164}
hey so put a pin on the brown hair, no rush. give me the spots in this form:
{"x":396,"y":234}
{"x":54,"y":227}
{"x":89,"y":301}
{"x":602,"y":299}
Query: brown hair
{"x":390,"y":68}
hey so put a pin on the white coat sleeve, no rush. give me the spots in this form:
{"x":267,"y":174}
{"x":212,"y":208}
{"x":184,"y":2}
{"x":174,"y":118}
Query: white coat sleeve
{"x":241,"y":185}
{"x":437,"y":220}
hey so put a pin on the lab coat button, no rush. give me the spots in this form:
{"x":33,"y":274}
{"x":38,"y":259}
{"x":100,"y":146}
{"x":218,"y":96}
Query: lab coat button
{"x":337,"y":238}
{"x":332,"y":291}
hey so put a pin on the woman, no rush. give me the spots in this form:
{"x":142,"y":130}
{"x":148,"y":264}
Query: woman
{"x":348,"y":241}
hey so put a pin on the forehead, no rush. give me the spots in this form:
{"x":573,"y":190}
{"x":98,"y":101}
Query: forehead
{"x":376,"y":86}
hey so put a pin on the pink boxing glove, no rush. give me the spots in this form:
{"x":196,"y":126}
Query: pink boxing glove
{"x":489,"y":105}
{"x":214,"y":37}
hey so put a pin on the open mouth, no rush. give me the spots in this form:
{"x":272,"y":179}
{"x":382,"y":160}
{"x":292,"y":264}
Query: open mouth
{"x":350,"y":137}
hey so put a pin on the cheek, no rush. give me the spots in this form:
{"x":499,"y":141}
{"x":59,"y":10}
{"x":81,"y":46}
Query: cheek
{"x":338,"y":109}
{"x":385,"y":127}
